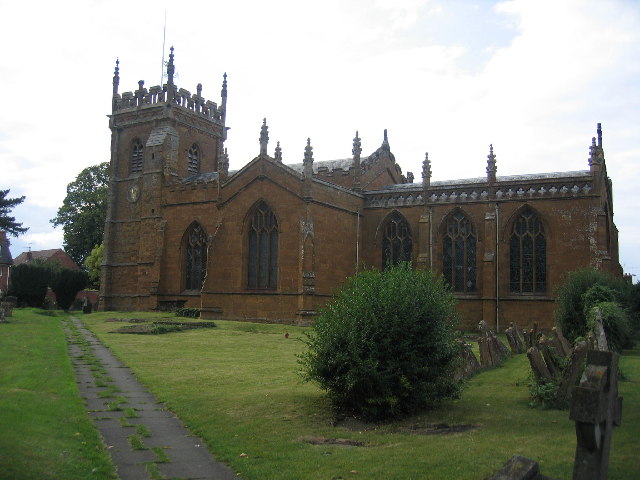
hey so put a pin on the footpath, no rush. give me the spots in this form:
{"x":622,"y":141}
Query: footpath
{"x":145,"y":440}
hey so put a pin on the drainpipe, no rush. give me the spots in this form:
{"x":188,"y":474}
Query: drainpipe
{"x":357,"y":240}
{"x":430,"y":238}
{"x":497,"y":269}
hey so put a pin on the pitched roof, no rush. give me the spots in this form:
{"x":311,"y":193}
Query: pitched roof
{"x":47,"y":255}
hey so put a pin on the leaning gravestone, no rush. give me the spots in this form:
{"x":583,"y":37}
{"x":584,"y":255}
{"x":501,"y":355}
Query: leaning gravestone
{"x":571,"y":372}
{"x":596,"y":408}
{"x":469,"y":362}
{"x":492,"y":350}
{"x":515,"y":339}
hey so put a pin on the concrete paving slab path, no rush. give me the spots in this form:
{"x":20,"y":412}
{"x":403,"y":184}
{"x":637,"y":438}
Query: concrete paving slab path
{"x":118,"y":403}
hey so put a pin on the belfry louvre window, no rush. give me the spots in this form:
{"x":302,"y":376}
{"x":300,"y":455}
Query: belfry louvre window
{"x":459,"y":254}
{"x":528,"y":255}
{"x":195,"y":257}
{"x":137,"y":156}
{"x":396,"y":240}
{"x":262,"y":268}
{"x":193,"y":166}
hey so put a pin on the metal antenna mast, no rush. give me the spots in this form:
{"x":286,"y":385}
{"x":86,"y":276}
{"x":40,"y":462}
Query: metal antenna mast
{"x":164,"y":38}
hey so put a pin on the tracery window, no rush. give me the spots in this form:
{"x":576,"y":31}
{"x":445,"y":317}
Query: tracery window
{"x":262,"y":268}
{"x":397,"y":243}
{"x":195,"y":257}
{"x":528,"y":255}
{"x":193,"y":166}
{"x":137,"y":156}
{"x":459,"y":254}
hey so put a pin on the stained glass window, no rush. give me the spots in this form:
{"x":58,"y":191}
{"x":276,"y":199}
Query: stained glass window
{"x":193,"y":166}
{"x":262,"y":271}
{"x":137,"y":156}
{"x":528,"y":255}
{"x":195,"y":257}
{"x":459,"y":254}
{"x":396,"y":240}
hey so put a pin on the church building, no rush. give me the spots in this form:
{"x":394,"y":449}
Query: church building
{"x":272,"y":242}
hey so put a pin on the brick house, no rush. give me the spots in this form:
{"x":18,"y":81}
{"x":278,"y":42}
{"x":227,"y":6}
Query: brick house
{"x":5,"y":262}
{"x":273,"y":241}
{"x":52,"y":256}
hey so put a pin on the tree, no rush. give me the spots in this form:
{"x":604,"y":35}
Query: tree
{"x":93,"y":264}
{"x":66,"y":284}
{"x":386,"y":345}
{"x":582,"y":290}
{"x":83,"y":212}
{"x":7,"y":223}
{"x":29,"y":283}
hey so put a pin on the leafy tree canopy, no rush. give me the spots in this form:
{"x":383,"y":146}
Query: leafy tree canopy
{"x":8,"y":223}
{"x":83,"y":212}
{"x":93,"y":263}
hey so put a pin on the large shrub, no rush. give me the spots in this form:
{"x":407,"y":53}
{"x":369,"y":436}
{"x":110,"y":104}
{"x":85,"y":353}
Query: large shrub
{"x":66,"y":284}
{"x":29,"y":282}
{"x":386,"y":344}
{"x":571,"y":314}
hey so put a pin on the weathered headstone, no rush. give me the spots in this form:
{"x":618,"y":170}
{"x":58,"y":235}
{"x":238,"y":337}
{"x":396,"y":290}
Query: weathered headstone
{"x":550,"y":355}
{"x":519,"y":468}
{"x":7,"y":308}
{"x":469,"y":362}
{"x":572,"y":372}
{"x":515,"y":340}
{"x":596,"y":409}
{"x":538,"y":366}
{"x":492,"y":350}
{"x":565,"y":347}
{"x":598,"y":332}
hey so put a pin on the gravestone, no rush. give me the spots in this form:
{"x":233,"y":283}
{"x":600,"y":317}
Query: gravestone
{"x":492,"y":350}
{"x":596,"y":408}
{"x":572,"y":372}
{"x":538,"y":366}
{"x":600,"y":339}
{"x":550,"y":355}
{"x":519,"y":468}
{"x":515,"y":340}
{"x":469,"y":362}
{"x":561,"y":341}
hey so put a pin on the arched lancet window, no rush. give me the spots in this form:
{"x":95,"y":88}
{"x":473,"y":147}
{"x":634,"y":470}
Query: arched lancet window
{"x":195,"y":248}
{"x":396,"y":240}
{"x":528,"y":255}
{"x":459,"y":254}
{"x":262,"y":268}
{"x":137,"y":156}
{"x":193,"y":166}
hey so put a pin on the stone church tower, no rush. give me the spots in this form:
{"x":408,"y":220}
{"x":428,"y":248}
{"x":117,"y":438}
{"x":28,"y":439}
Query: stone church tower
{"x":159,"y":136}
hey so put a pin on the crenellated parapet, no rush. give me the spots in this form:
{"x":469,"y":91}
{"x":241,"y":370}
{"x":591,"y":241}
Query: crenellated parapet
{"x":168,"y":94}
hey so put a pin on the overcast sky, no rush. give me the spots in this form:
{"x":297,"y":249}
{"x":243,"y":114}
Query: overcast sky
{"x":532,"y":77}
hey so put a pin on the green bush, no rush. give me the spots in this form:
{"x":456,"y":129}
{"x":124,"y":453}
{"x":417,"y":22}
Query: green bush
{"x":188,"y":312}
{"x":616,"y":325}
{"x":570,"y":312}
{"x":29,"y":282}
{"x":66,"y":284}
{"x":385,"y":345}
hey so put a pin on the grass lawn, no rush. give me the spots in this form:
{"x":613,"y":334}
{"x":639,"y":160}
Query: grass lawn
{"x":237,"y":387}
{"x":45,"y":432}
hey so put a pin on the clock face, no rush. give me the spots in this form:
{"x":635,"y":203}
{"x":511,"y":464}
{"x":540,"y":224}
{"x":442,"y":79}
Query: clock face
{"x":134,"y":194}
